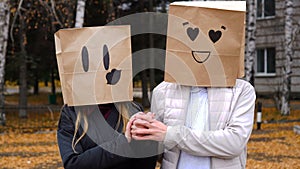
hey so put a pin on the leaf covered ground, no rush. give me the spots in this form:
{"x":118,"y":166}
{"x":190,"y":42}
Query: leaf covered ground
{"x":31,"y":143}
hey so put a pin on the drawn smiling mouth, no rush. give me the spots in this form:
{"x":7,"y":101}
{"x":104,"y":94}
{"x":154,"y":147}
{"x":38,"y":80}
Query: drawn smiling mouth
{"x":200,"y":56}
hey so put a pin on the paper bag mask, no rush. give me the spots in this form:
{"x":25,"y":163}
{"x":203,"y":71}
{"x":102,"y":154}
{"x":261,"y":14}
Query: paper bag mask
{"x":94,"y":64}
{"x":205,"y":43}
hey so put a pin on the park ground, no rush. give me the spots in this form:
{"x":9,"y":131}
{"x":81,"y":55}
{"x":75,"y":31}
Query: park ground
{"x":31,"y":143}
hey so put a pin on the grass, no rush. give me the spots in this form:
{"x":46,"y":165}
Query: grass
{"x":40,"y":99}
{"x":31,"y":143}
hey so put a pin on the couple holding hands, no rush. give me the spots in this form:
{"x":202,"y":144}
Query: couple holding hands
{"x":201,"y":115}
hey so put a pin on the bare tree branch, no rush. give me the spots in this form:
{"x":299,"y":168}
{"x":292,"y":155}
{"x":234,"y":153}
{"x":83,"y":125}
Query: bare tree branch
{"x":54,"y":13}
{"x":14,"y":20}
{"x":51,"y":10}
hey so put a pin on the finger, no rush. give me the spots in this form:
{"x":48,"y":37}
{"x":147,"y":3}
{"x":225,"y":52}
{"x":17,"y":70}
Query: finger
{"x":144,"y":117}
{"x":139,"y":113}
{"x":151,"y":114}
{"x":142,"y":131}
{"x":128,"y":137}
{"x":128,"y":134}
{"x":129,"y":125}
{"x":143,"y":137}
{"x":134,"y":117}
{"x":128,"y":129}
{"x":141,"y":123}
{"x":139,"y":135}
{"x":133,"y":127}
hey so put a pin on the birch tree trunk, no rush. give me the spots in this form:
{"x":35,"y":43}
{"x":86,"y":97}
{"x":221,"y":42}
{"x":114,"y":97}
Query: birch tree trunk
{"x":288,"y":52}
{"x":250,"y":41}
{"x":4,"y":26}
{"x":80,"y":13}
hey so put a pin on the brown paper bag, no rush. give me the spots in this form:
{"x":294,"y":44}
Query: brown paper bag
{"x":205,"y":43}
{"x":94,"y":64}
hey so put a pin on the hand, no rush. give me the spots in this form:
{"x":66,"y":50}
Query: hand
{"x":131,"y":121}
{"x":145,"y":128}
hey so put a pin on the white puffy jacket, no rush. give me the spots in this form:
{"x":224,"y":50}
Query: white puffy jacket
{"x":231,"y":115}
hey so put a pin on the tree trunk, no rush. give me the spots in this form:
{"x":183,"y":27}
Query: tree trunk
{"x":23,"y":70}
{"x":4,"y":26}
{"x":288,"y":52}
{"x":80,"y":13}
{"x":145,"y":96}
{"x":250,"y":42}
{"x":111,"y":14}
{"x":151,"y":46}
{"x":144,"y":78}
{"x":53,"y":88}
{"x":36,"y":88}
{"x":52,"y":59}
{"x":23,"y":65}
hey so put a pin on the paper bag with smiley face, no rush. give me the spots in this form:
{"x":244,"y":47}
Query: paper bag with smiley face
{"x":205,"y":43}
{"x":94,"y":64}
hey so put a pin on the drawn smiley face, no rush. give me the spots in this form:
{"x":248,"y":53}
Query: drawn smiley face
{"x":113,"y":76}
{"x":95,"y":64}
{"x":214,"y":36}
{"x":205,"y":43}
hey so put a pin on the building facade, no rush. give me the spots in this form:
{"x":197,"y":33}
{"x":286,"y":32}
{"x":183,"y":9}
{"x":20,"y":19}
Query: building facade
{"x":270,"y":55}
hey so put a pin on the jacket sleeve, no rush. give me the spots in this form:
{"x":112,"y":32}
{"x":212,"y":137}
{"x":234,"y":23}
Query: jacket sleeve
{"x":95,"y":157}
{"x":228,"y":142}
{"x":158,"y":101}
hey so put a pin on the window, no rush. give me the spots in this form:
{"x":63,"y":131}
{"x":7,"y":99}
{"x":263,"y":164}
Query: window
{"x":265,"y":61}
{"x":265,"y":8}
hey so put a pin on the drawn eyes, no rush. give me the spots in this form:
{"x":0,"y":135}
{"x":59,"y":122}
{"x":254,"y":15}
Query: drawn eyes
{"x":194,"y":32}
{"x":214,"y":35}
{"x":85,"y":58}
{"x":105,"y":57}
{"x":112,"y":77}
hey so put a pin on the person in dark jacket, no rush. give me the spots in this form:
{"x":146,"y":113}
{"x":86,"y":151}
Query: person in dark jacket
{"x":92,"y":137}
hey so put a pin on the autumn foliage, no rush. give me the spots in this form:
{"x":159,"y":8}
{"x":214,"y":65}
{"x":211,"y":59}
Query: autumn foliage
{"x":31,"y":143}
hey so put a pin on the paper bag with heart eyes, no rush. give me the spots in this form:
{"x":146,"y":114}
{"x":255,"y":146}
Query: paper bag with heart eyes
{"x":205,"y":43}
{"x":94,"y":64}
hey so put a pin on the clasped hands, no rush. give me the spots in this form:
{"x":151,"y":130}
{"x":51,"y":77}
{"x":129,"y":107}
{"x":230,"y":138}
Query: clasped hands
{"x":143,"y":126}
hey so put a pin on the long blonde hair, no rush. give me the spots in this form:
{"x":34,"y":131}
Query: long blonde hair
{"x":123,"y":110}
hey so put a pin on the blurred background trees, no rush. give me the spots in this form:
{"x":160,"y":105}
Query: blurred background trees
{"x":31,"y":56}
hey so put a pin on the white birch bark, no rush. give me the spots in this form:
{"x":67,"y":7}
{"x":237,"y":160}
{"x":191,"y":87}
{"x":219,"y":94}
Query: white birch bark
{"x":250,"y":41}
{"x":288,"y":53}
{"x":80,"y":13}
{"x":4,"y":26}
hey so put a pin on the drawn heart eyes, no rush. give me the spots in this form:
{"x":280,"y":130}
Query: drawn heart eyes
{"x":192,"y":33}
{"x":212,"y":34}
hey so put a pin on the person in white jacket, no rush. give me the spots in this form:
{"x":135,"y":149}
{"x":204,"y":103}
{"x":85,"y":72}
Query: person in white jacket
{"x":203,"y":111}
{"x":215,"y":138}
